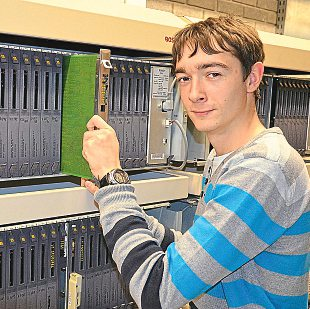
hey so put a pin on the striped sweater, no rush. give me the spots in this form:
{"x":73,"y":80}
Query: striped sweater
{"x":249,"y":244}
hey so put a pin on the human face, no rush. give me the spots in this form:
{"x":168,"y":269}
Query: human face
{"x":212,"y":90}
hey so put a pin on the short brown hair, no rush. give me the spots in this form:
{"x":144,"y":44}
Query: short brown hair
{"x":223,"y":33}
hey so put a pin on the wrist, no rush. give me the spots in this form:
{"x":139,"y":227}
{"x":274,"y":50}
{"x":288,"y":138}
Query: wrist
{"x":100,"y":173}
{"x":114,"y":177}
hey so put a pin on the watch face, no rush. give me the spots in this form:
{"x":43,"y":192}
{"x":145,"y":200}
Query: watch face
{"x":119,"y":176}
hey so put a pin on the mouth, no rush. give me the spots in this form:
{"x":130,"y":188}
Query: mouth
{"x":202,"y":113}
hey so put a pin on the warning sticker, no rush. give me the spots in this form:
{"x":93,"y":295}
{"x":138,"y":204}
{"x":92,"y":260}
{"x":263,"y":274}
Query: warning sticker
{"x":160,"y":78}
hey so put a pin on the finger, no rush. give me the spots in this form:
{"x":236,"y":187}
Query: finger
{"x":88,"y":135}
{"x":96,"y":122}
{"x":91,"y":187}
{"x":84,"y":154}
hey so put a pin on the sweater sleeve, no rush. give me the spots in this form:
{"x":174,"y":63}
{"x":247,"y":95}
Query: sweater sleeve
{"x":239,"y":223}
{"x":164,"y":235}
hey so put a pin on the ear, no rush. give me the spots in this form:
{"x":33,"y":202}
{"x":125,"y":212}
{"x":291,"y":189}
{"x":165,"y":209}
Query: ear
{"x":255,"y":77}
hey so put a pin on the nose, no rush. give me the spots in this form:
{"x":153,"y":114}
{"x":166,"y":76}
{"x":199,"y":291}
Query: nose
{"x":197,"y":92}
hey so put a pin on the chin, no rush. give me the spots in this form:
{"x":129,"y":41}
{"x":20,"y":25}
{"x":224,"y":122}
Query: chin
{"x":201,"y":128}
{"x":201,"y":125}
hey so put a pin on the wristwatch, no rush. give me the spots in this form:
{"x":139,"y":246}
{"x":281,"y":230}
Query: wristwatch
{"x":114,"y":177}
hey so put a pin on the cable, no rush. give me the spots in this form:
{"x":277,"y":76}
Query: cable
{"x":170,"y":91}
{"x":185,"y":144}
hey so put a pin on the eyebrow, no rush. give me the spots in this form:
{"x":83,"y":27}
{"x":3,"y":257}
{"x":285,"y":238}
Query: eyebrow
{"x":203,"y":67}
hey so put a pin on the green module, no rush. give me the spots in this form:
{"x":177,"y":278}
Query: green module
{"x":84,"y":85}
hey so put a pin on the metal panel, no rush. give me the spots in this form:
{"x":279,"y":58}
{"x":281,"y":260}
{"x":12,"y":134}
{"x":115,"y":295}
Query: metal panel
{"x":194,"y":181}
{"x":281,"y":16}
{"x":160,"y":115}
{"x":38,"y":205}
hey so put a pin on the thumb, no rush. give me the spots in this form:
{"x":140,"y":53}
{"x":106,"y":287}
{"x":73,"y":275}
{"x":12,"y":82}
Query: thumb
{"x":91,"y":187}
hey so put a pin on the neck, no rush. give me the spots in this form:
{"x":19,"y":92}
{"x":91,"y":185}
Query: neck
{"x":236,"y":137}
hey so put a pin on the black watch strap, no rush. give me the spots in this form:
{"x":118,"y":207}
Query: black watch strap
{"x":103,"y":182}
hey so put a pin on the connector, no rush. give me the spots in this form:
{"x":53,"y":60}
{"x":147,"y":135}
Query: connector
{"x":167,"y":105}
{"x":168,"y":123}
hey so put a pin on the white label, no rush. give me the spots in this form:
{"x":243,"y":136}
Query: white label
{"x":160,"y":79}
{"x":157,"y":156}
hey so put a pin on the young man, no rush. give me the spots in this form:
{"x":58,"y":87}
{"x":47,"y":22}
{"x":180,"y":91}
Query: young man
{"x":249,"y":244}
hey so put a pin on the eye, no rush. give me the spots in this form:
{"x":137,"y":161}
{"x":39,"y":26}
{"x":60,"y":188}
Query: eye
{"x":213,"y":75}
{"x":182,"y":79}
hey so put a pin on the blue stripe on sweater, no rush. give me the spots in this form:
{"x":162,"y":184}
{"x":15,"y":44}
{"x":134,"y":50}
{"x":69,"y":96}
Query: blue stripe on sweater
{"x":247,"y":208}
{"x":241,"y":293}
{"x":203,"y":182}
{"x":217,"y":245}
{"x":290,"y":265}
{"x":208,"y":193}
{"x":301,"y":226}
{"x":217,"y":291}
{"x":185,"y":280}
